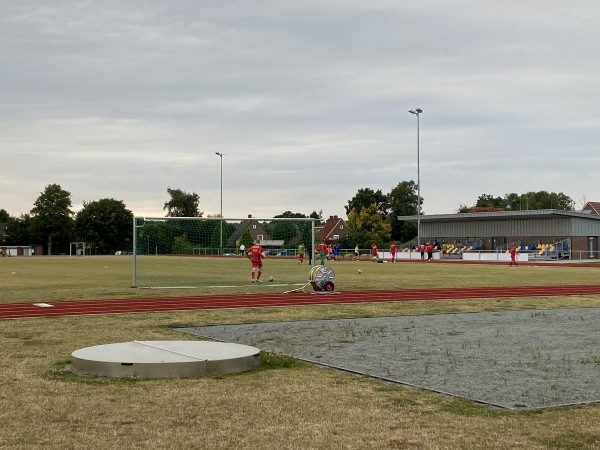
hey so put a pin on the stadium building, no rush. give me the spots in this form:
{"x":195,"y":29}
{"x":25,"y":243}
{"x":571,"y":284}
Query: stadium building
{"x":545,"y":233}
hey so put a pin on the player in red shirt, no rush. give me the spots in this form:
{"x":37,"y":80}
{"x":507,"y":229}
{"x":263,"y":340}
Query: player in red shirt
{"x":322,"y":251}
{"x":256,"y":256}
{"x":300,"y":253}
{"x":513,"y":256}
{"x":374,"y":255}
{"x":422,"y":250}
{"x":393,"y":251}
{"x":429,"y":248}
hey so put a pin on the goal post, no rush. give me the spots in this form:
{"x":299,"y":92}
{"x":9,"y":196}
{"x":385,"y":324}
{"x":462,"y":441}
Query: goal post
{"x":206,"y":251}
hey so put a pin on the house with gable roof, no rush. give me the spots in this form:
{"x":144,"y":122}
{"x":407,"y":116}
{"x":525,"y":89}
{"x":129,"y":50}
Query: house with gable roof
{"x":592,"y":207}
{"x":254,"y":227}
{"x":335,"y":229}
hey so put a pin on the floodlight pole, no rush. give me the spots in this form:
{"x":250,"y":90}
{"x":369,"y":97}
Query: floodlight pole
{"x":417,"y":112}
{"x":220,"y":155}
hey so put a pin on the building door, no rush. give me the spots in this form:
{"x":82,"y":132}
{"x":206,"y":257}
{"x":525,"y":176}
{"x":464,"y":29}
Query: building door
{"x":593,"y":247}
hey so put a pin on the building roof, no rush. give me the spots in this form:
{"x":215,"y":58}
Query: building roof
{"x":253,"y":226}
{"x":503,"y":215}
{"x":333,"y":226}
{"x":594,"y":207}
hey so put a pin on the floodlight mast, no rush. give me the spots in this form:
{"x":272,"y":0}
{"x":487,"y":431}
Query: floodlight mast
{"x":220,"y":155}
{"x":417,"y":112}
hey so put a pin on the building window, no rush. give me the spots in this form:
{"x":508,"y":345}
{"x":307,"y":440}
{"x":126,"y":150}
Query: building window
{"x":254,"y":227}
{"x":260,"y":237}
{"x":336,"y":237}
{"x":341,"y":227}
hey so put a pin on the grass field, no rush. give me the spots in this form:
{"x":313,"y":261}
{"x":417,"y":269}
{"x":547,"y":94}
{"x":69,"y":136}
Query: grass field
{"x":286,"y":404}
{"x":71,"y":278}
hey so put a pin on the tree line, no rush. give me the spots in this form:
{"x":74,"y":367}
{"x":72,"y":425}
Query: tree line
{"x":106,"y":224}
{"x":522,"y":202}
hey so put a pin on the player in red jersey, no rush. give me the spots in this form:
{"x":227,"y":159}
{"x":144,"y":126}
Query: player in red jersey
{"x":374,"y":254}
{"x":322,"y":251}
{"x":422,"y":250}
{"x":393,"y":251}
{"x":256,"y":256}
{"x":429,"y":248}
{"x":300,"y":253}
{"x":513,"y":256}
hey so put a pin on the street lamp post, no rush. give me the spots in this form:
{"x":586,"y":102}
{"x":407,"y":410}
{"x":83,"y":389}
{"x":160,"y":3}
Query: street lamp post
{"x":220,"y":155}
{"x":417,"y":112}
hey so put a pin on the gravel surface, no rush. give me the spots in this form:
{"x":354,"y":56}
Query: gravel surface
{"x":512,"y":359}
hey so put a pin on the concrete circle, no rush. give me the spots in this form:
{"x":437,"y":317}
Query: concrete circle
{"x":165,"y":359}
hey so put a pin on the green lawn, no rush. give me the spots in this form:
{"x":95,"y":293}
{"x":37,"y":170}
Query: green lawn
{"x":28,"y":279}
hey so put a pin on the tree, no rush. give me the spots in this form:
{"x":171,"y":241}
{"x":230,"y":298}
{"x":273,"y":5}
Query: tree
{"x":246,"y":239}
{"x":52,"y":218}
{"x":106,"y":223}
{"x":215,"y":237}
{"x":531,"y":200}
{"x":4,"y":216}
{"x":489,"y":201}
{"x":18,"y":230}
{"x":365,"y":197}
{"x":283,"y":230}
{"x":543,"y":200}
{"x":318,"y":216}
{"x":403,"y":201}
{"x":182,"y":204}
{"x":181,"y":246}
{"x":291,"y":215}
{"x":367,"y":226}
{"x":290,"y":232}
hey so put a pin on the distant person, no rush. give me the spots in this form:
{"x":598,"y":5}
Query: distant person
{"x":242,"y":250}
{"x":322,"y":251}
{"x":301,"y":254}
{"x":256,"y":256}
{"x":429,"y":248}
{"x":513,"y":256}
{"x":393,"y":251}
{"x":356,"y":253}
{"x":337,"y":250}
{"x":374,"y":253}
{"x":422,"y":251}
{"x":444,"y":249}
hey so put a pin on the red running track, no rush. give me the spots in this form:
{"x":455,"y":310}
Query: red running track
{"x":138,"y":305}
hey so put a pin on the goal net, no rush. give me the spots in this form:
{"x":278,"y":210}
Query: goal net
{"x":197,"y":251}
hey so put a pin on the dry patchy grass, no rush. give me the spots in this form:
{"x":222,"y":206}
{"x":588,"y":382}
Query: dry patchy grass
{"x":302,"y":406}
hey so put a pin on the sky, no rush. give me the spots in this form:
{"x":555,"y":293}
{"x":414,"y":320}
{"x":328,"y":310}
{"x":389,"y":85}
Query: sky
{"x":307,"y":101}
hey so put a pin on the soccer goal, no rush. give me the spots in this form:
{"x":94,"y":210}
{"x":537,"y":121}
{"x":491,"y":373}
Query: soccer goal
{"x":191,"y":252}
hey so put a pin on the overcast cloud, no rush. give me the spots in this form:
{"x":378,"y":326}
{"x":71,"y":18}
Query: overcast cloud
{"x":307,"y":100}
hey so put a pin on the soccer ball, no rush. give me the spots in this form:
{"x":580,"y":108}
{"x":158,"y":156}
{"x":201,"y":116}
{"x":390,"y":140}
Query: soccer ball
{"x":271,"y":279}
{"x":359,"y":271}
